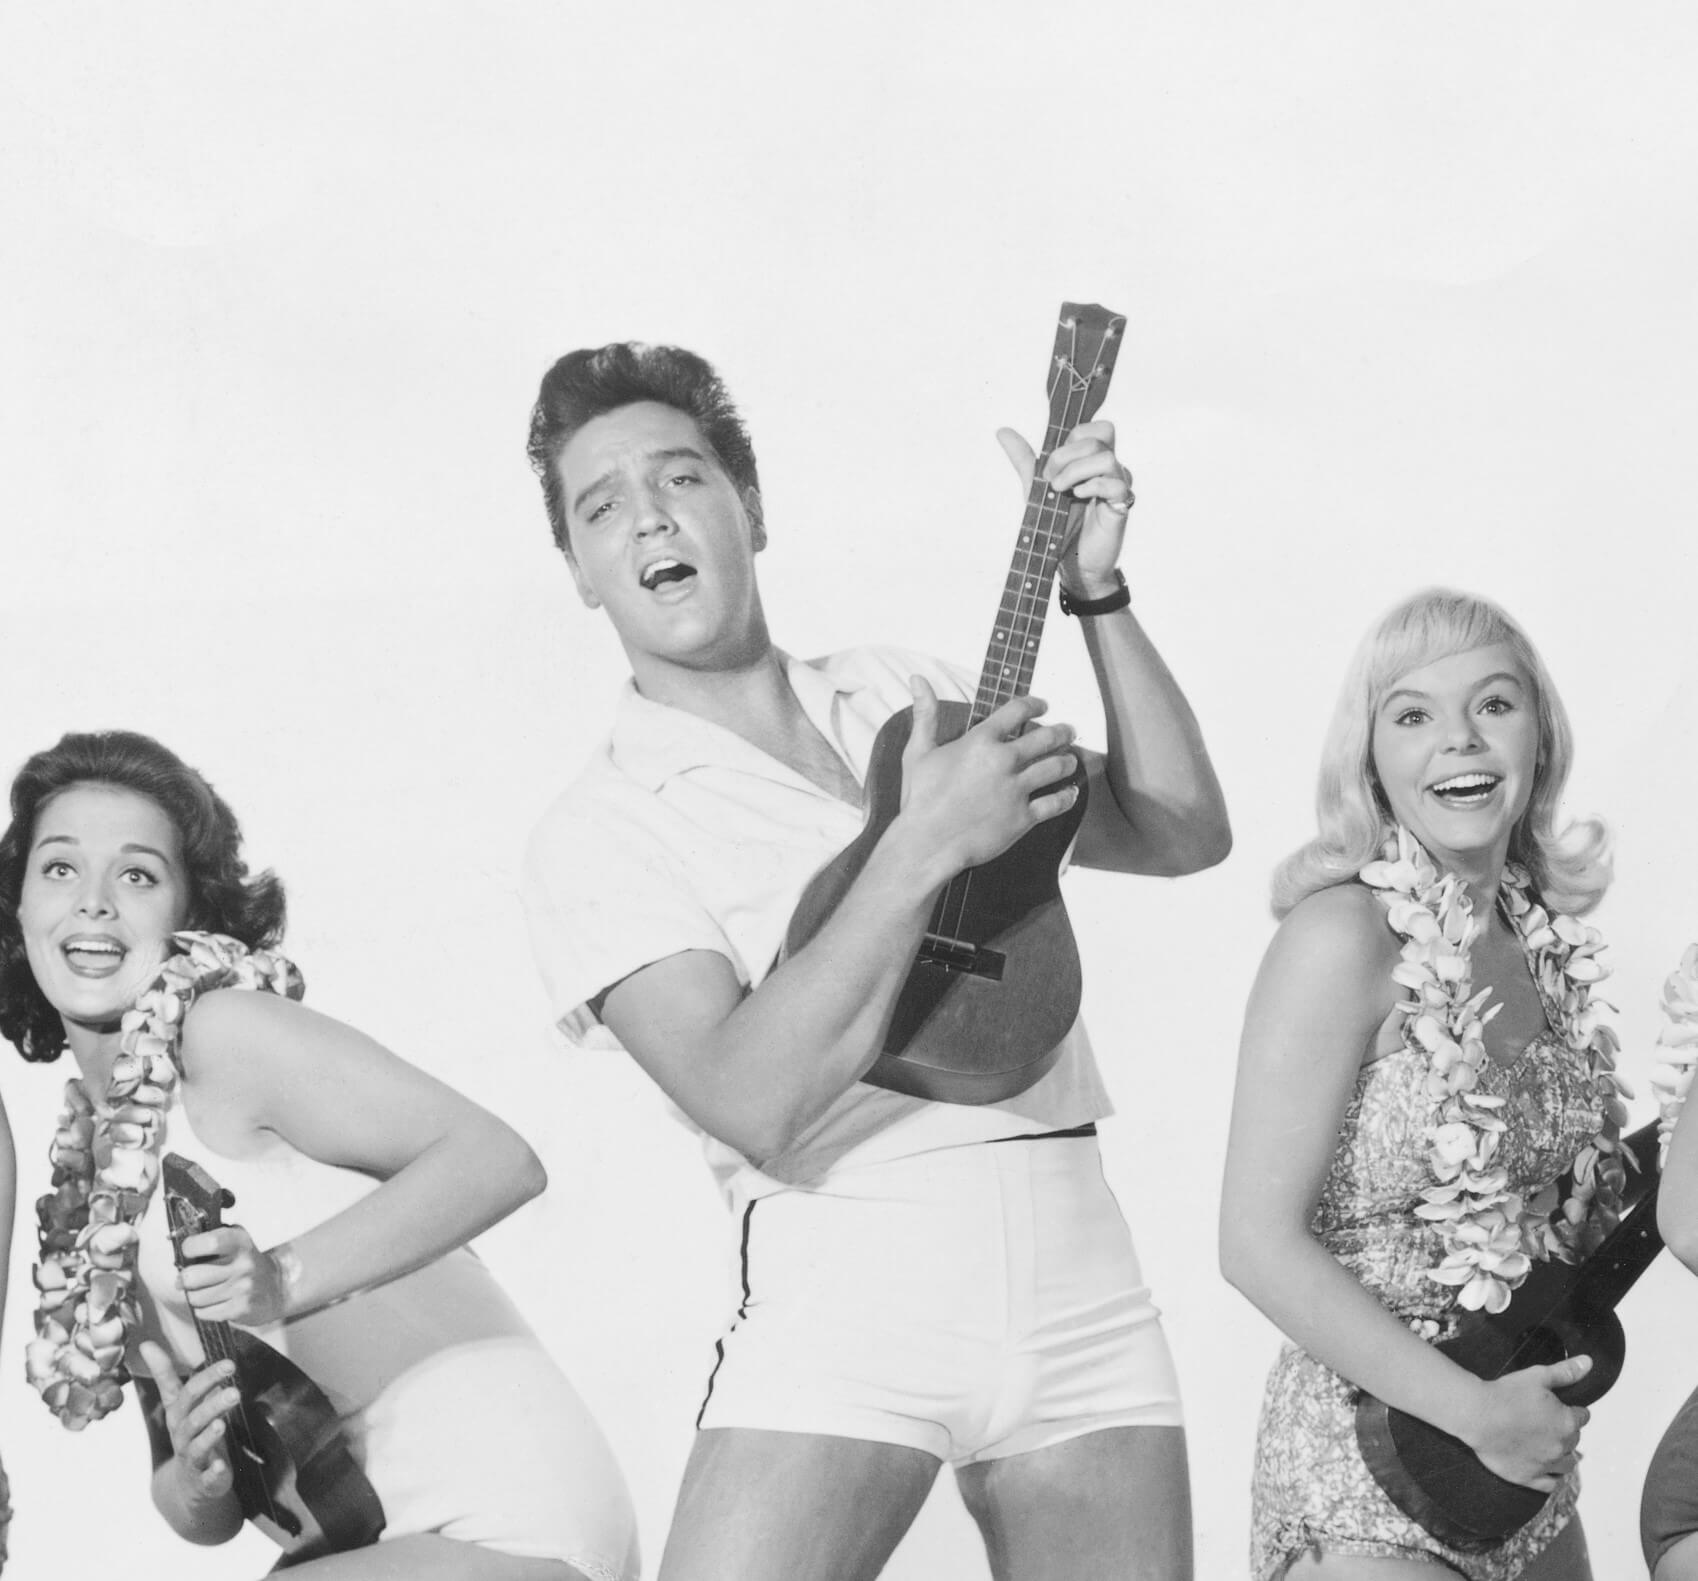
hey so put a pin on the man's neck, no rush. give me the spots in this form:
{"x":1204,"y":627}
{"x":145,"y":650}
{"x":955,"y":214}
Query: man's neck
{"x":755,"y":701}
{"x":751,"y":698}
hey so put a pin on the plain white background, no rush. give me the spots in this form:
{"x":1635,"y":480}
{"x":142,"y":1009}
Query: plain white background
{"x":1411,"y":299}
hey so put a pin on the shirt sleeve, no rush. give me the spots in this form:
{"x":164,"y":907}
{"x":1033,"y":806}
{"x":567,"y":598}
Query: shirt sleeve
{"x":600,"y":904}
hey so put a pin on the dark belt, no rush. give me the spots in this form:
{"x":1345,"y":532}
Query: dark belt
{"x":1089,"y":1128}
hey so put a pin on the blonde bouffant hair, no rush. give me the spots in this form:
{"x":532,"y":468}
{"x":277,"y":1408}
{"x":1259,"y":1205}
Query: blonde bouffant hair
{"x":1569,"y":865}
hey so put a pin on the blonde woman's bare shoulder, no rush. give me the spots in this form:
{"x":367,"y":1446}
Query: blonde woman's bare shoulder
{"x":1336,"y":942}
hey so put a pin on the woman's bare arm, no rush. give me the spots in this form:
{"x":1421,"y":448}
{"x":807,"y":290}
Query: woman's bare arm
{"x":449,"y":1169}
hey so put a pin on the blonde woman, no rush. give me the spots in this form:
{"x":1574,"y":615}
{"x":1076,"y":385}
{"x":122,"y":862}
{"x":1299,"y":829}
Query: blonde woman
{"x":1391,"y":1167}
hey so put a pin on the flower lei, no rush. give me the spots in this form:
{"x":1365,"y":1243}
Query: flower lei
{"x":105,"y":1168}
{"x":1673,"y":1079}
{"x":1489,"y":1233}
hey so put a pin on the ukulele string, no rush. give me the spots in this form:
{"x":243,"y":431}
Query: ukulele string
{"x":1042,"y":536}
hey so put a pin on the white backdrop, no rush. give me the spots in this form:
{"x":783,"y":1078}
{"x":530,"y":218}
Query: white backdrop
{"x":1411,"y":298}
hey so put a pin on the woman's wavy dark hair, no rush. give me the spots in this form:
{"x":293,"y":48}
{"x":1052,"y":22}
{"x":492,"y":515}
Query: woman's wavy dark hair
{"x":222,"y":898}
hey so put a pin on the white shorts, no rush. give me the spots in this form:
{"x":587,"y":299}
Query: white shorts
{"x":973,"y":1302}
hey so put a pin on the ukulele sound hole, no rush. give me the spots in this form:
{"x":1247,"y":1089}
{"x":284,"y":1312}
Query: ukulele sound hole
{"x":961,"y":955}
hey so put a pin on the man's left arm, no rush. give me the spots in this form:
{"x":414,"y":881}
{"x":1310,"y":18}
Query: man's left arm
{"x":1155,"y":805}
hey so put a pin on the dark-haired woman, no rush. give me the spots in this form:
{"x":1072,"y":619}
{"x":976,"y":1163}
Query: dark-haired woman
{"x":1421,"y":1064}
{"x":131,"y":933}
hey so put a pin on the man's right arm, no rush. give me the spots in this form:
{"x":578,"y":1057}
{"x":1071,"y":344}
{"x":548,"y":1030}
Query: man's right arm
{"x":756,"y":1069}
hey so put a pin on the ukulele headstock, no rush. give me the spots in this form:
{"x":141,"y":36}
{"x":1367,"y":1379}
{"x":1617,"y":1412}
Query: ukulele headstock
{"x":194,"y":1201}
{"x":1087,"y":341}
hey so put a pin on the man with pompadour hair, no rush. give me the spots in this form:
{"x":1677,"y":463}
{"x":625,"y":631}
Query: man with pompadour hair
{"x":920,"y":1281}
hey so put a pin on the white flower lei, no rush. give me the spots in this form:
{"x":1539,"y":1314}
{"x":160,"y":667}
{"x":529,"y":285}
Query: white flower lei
{"x":1672,"y":1080}
{"x":1489,"y":1233}
{"x":105,"y":1168}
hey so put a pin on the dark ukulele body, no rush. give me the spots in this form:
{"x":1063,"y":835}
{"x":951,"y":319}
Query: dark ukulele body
{"x":295,"y":1477}
{"x":995,"y":984}
{"x":1559,"y":1310}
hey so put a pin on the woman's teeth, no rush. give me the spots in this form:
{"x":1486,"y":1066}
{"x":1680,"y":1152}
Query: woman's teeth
{"x":95,"y":955}
{"x":1465,"y":790}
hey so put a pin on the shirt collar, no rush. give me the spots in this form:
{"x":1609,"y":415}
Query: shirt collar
{"x":652,"y":742}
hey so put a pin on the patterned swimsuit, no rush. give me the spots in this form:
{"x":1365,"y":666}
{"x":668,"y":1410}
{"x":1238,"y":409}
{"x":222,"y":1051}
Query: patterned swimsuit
{"x":1312,"y":1490}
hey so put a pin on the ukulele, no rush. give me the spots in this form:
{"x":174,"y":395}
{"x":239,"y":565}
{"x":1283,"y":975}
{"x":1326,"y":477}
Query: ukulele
{"x":995,"y":985}
{"x":1559,"y":1310}
{"x":295,"y":1478}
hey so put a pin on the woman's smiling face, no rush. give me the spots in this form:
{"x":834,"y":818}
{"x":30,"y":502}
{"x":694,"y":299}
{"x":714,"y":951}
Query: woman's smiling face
{"x":1455,"y":750}
{"x":103,"y":891}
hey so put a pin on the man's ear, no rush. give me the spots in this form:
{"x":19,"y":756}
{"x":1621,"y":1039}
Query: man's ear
{"x":757,"y":518}
{"x":587,"y":593}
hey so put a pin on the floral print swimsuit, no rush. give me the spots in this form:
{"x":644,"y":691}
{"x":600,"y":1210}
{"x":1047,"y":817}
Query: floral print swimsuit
{"x":1312,"y":1490}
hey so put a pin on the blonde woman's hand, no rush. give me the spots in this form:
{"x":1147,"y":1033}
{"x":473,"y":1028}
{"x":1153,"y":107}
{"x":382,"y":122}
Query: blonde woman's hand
{"x":1526,"y":1434}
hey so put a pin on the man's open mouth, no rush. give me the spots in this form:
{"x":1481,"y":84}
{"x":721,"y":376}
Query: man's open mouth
{"x":657,"y":573}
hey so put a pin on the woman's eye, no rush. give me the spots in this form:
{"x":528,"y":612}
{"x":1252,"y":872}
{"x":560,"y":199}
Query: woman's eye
{"x":139,"y":877}
{"x":56,"y":869}
{"x":1411,"y":716}
{"x":1497,"y":705}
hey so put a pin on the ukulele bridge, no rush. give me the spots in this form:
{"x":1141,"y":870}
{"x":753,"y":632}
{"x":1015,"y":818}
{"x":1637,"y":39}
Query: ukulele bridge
{"x":961,"y":955}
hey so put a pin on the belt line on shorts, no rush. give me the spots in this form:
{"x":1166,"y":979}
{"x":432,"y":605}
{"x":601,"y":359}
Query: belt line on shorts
{"x":1089,"y":1128}
{"x":742,"y":1312}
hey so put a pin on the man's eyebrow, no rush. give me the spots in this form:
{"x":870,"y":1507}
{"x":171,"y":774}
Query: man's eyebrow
{"x":672,"y":453}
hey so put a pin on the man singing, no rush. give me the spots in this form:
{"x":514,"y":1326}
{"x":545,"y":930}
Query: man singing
{"x":921,"y":1281}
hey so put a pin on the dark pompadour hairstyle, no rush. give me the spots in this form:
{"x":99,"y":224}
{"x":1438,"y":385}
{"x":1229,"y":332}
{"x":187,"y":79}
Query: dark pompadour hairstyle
{"x":222,"y":898}
{"x":585,"y":385}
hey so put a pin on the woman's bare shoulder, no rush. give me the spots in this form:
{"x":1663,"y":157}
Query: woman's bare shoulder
{"x":226,"y":1021}
{"x":1336,"y":940}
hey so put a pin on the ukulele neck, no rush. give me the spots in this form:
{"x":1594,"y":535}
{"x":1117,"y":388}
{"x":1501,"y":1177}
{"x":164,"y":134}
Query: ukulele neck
{"x":1087,"y":341}
{"x":1012,"y":654}
{"x":1627,"y":1251}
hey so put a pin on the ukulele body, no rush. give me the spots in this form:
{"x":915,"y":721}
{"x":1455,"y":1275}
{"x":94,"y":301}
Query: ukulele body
{"x":295,"y":1477}
{"x":996,"y":984}
{"x":1437,"y":1480}
{"x":1559,"y":1310}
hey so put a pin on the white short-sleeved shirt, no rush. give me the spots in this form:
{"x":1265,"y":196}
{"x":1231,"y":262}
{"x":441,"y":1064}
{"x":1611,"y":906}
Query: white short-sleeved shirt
{"x":680,"y":835}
